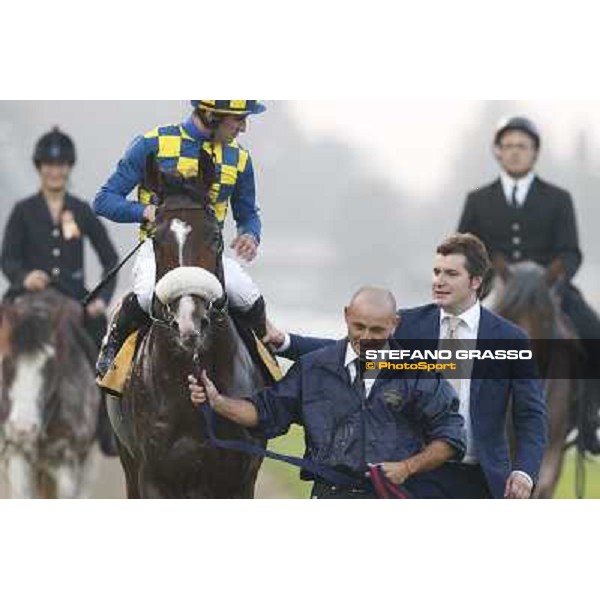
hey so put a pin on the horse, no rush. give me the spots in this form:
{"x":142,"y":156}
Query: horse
{"x":162,"y":438}
{"x":49,"y":401}
{"x":527,"y":297}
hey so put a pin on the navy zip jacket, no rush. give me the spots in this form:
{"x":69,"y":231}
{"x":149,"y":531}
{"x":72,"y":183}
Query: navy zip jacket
{"x":346,"y":431}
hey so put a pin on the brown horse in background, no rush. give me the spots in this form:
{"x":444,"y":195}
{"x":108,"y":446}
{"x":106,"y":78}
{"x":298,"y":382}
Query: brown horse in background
{"x":528,"y":299}
{"x":162,"y":437}
{"x":49,"y":400}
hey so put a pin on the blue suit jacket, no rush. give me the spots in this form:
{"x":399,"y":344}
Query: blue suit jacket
{"x":490,"y":399}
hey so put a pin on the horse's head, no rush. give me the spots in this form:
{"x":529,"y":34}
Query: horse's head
{"x":527,"y":299}
{"x":32,"y":344}
{"x":188,"y":244}
{"x":187,"y":232}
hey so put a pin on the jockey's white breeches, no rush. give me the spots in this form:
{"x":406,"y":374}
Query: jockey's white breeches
{"x":241,"y":290}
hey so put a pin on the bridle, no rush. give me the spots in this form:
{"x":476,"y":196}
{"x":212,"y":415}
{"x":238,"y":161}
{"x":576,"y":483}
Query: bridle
{"x":218,"y":307}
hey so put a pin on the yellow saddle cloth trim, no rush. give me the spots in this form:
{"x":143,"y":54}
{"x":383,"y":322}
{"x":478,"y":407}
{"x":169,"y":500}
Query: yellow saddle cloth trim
{"x":268,"y":360}
{"x":116,"y":377}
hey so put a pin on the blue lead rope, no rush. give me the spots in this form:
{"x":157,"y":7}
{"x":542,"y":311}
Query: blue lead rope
{"x":323,"y":472}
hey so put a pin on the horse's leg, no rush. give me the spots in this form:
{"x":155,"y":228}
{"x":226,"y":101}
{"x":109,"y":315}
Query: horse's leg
{"x":88,"y":472}
{"x":147,"y":486}
{"x":21,"y":476}
{"x":66,"y":476}
{"x":130,"y":470}
{"x":558,"y":398}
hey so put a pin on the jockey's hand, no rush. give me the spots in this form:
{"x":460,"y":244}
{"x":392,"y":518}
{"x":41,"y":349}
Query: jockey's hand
{"x":396,"y":472}
{"x":245,"y":246}
{"x":150,"y":213}
{"x":518,"y":487}
{"x":204,"y":391}
{"x":36,"y":281}
{"x":274,"y":337}
{"x":96,"y":308}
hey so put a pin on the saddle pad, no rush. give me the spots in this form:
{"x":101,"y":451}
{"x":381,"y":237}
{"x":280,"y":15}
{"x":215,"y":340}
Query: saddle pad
{"x":118,"y":373}
{"x":268,"y":360}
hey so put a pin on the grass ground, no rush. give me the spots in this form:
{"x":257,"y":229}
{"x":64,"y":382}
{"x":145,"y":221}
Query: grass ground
{"x":293,"y":443}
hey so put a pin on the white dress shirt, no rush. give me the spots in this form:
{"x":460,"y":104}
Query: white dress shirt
{"x":468,"y":329}
{"x":523,"y":187}
{"x":350,"y":364}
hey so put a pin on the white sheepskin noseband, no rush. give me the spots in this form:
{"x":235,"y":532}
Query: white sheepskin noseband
{"x":188,"y":281}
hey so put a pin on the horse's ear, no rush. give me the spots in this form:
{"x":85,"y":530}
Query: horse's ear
{"x":206,"y":169}
{"x":153,"y":178}
{"x":501,"y":267}
{"x":555,"y":272}
{"x":5,"y":331}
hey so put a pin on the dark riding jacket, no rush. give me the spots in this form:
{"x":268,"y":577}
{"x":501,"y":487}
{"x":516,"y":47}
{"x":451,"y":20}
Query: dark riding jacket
{"x":541,"y":230}
{"x":346,"y":431}
{"x":32,"y":241}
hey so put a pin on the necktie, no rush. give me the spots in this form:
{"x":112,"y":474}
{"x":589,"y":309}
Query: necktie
{"x":514,"y":200}
{"x":453,"y":325}
{"x":452,"y":334}
{"x":359,"y":384}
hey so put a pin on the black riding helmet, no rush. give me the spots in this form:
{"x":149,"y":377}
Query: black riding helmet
{"x":54,"y":147}
{"x":518,"y":124}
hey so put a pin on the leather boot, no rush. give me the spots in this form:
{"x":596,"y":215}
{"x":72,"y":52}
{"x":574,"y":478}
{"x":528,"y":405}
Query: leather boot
{"x":256,"y":318}
{"x":128,"y":318}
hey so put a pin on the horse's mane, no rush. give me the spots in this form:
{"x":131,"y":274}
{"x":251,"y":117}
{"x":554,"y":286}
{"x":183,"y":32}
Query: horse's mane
{"x":173,"y":183}
{"x":43,"y":320}
{"x":526,"y":293}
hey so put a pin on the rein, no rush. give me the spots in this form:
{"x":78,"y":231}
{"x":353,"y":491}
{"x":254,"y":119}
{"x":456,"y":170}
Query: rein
{"x":324,"y":472}
{"x":384,"y":488}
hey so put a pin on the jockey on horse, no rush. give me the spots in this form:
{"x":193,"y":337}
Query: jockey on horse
{"x":213,"y":127}
{"x":521,"y":217}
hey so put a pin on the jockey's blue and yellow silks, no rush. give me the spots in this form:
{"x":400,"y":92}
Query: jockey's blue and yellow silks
{"x":176,"y":148}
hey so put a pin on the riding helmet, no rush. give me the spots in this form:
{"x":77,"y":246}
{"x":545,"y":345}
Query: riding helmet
{"x":518,"y":124}
{"x":231,"y":107}
{"x":56,"y":147}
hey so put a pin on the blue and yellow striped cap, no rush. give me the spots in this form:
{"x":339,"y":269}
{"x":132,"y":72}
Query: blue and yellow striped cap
{"x":231,"y":107}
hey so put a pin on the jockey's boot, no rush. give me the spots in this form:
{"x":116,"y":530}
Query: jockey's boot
{"x":104,"y":431}
{"x":256,"y":318}
{"x":128,"y":318}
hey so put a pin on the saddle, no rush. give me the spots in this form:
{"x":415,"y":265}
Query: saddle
{"x":118,"y":374}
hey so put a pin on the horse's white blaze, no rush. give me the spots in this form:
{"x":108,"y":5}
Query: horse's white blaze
{"x":25,"y":393}
{"x":185,"y":315}
{"x":181,"y":230}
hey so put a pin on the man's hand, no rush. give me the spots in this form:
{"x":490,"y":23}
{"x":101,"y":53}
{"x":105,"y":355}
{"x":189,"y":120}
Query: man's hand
{"x":245,"y":246}
{"x":204,"y":391}
{"x":396,"y":472}
{"x":274,"y":336}
{"x":237,"y":410}
{"x":36,"y":281}
{"x":150,"y":213}
{"x":518,"y":487}
{"x":96,"y":308}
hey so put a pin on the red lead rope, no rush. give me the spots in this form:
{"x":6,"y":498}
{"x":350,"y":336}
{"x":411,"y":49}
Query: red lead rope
{"x":384,"y":488}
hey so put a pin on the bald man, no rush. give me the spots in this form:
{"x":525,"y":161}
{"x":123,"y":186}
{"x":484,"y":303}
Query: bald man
{"x":409,"y":426}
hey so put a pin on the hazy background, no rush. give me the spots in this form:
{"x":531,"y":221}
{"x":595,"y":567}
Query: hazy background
{"x":341,"y":184}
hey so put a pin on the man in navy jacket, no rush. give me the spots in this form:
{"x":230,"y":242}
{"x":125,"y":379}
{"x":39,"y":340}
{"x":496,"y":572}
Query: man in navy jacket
{"x":487,"y":470}
{"x":406,"y":425}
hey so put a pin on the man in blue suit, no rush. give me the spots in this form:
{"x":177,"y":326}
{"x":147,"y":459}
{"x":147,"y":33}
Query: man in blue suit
{"x":460,"y":270}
